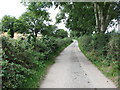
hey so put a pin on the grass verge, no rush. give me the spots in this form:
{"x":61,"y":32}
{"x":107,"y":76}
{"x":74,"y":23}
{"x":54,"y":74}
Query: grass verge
{"x":111,"y":71}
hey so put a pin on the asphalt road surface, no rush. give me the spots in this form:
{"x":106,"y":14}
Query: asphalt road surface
{"x":73,"y":70}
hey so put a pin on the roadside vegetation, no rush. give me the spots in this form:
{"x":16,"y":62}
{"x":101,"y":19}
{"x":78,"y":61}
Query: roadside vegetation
{"x":26,"y":58}
{"x":24,"y":61}
{"x":103,"y":51}
{"x":90,"y":24}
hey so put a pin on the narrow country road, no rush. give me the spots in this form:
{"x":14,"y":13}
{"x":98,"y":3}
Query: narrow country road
{"x":73,"y":70}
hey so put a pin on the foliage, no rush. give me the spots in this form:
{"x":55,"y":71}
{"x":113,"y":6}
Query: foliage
{"x":105,"y":12}
{"x":20,"y":26}
{"x":87,"y":17}
{"x":60,"y":33}
{"x":114,"y":46}
{"x":86,"y":42}
{"x":36,"y":18}
{"x":80,"y":17}
{"x":7,"y":22}
{"x":8,"y":25}
{"x":49,"y":30}
{"x":34,"y":23}
{"x":14,"y":74}
{"x":23,"y":58}
{"x":99,"y":41}
{"x":74,"y":34}
{"x":103,"y":51}
{"x":10,"y":33}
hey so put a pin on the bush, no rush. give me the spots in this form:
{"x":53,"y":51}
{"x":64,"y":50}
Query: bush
{"x":114,"y":47}
{"x":23,"y":58}
{"x":75,"y":34}
{"x":14,"y":75}
{"x":10,"y":33}
{"x":85,"y":42}
{"x":96,"y":42}
{"x":61,"y":33}
{"x":99,"y":41}
{"x":103,"y":50}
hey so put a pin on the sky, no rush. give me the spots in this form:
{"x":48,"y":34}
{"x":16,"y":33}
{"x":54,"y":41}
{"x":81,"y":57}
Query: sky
{"x":53,"y":13}
{"x":15,"y":8}
{"x":11,"y":7}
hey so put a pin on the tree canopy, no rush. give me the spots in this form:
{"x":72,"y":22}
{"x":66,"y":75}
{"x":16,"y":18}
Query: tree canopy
{"x":80,"y":18}
{"x":61,"y":33}
{"x":87,"y":17}
{"x":7,"y":22}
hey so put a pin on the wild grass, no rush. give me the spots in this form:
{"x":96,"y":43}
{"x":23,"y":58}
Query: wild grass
{"x":103,"y":51}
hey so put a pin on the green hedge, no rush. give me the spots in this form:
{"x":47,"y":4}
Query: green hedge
{"x":104,"y":51}
{"x":86,"y":42}
{"x":23,"y":58}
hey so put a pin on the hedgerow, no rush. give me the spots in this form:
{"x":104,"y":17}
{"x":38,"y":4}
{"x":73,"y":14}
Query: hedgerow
{"x":103,"y":50}
{"x":22,"y":58}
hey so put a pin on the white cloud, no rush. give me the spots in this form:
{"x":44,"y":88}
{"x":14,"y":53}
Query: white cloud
{"x":62,"y":26}
{"x":15,"y":8}
{"x":53,"y":13}
{"x":11,"y":7}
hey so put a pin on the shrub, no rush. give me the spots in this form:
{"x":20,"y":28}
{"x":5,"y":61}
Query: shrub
{"x":85,"y":42}
{"x":103,"y":50}
{"x":99,"y":41}
{"x":74,"y":34}
{"x":23,"y":58}
{"x":14,"y":75}
{"x":114,"y":47}
{"x":10,"y":33}
{"x":61,"y":33}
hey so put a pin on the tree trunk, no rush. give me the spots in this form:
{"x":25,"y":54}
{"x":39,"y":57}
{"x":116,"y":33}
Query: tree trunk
{"x":11,"y":30}
{"x":36,"y":32}
{"x":96,"y":17}
{"x":102,"y":17}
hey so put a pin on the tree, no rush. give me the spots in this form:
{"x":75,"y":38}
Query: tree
{"x":104,"y":13}
{"x":60,"y":33}
{"x":80,"y":17}
{"x":87,"y":17}
{"x":33,"y":23}
{"x":8,"y":25}
{"x":20,"y":26}
{"x":35,"y":17}
{"x":75,"y":34}
{"x":49,"y":30}
{"x":7,"y":22}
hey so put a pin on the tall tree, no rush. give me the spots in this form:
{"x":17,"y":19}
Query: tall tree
{"x":104,"y":13}
{"x":34,"y":23}
{"x":80,"y":17}
{"x":87,"y":17}
{"x":8,"y":25}
{"x":49,"y":30}
{"x":7,"y":22}
{"x":36,"y":17}
{"x":20,"y":26}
